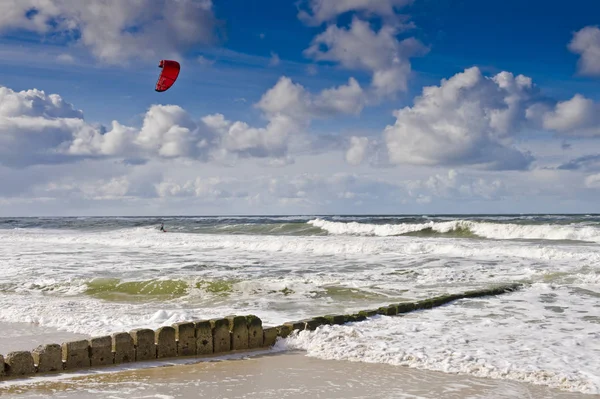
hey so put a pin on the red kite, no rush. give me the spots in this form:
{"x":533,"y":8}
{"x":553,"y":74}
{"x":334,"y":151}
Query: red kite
{"x":168,"y":75}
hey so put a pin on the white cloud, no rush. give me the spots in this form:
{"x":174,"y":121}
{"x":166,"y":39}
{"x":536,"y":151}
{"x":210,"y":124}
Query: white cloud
{"x":586,"y":43}
{"x":217,"y":122}
{"x":466,"y":120}
{"x":578,"y":116}
{"x":286,"y":97}
{"x":35,"y":103}
{"x":89,"y":140}
{"x":360,"y":47}
{"x":593,"y":181}
{"x":167,"y":131}
{"x":116,"y":30}
{"x":33,"y":125}
{"x":39,"y":128}
{"x":289,"y":109}
{"x":292,"y":100}
{"x":326,"y":10}
{"x":357,"y":151}
{"x":260,"y":142}
{"x":345,"y":99}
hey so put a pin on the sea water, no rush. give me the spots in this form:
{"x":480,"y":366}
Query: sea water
{"x":96,"y":276}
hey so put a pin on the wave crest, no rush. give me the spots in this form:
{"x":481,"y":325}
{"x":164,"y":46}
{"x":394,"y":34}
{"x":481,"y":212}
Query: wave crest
{"x":464,"y":228}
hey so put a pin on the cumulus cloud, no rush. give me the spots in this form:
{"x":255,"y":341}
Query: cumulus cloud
{"x":116,"y":30}
{"x":320,"y":11}
{"x":167,"y":131}
{"x":40,"y":128}
{"x":239,"y":137}
{"x":34,"y":124}
{"x":293,"y":100}
{"x":289,"y":109}
{"x":360,"y":47}
{"x":578,"y":116}
{"x":586,"y":43}
{"x":35,"y":103}
{"x":468,"y":119}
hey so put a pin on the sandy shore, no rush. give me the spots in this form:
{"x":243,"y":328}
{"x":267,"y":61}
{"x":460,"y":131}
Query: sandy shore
{"x":272,"y":375}
{"x":263,"y":374}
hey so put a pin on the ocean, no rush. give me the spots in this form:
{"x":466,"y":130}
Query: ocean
{"x":99,"y":275}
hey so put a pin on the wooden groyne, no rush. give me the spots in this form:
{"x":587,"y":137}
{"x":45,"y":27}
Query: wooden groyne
{"x":200,"y":338}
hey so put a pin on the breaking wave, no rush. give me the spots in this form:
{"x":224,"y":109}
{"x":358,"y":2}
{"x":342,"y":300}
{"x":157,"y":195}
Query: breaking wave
{"x":464,"y":228}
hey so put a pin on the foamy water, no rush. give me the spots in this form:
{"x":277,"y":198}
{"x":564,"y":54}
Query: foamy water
{"x":498,"y":231}
{"x":101,"y":275}
{"x":537,"y":336}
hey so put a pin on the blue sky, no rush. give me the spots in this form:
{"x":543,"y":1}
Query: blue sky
{"x":300,"y":107}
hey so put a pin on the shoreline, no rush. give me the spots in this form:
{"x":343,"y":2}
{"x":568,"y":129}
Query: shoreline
{"x":257,"y":367}
{"x":273,"y":374}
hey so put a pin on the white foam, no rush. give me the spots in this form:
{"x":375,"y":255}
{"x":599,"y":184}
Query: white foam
{"x":147,"y":240}
{"x":381,"y":230}
{"x":498,"y":231}
{"x":278,"y":278}
{"x":516,"y":337}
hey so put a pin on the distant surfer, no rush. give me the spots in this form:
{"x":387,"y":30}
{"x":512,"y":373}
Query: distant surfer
{"x":162,"y":228}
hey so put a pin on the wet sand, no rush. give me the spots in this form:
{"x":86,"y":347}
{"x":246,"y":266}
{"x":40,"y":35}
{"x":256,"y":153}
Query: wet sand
{"x":272,"y":375}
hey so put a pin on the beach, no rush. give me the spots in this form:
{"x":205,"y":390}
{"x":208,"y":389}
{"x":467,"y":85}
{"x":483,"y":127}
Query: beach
{"x":70,"y":278}
{"x":292,"y":375}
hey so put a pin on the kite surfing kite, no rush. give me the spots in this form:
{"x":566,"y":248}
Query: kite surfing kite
{"x":168,"y":75}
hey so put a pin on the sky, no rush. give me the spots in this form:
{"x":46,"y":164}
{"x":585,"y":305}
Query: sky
{"x":299,"y":107}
